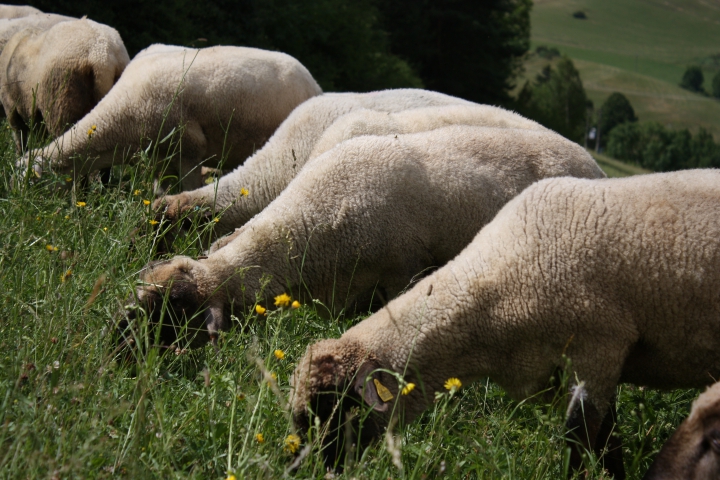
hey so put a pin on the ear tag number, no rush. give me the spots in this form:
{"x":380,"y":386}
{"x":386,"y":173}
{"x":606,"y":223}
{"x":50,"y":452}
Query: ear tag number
{"x":382,"y":391}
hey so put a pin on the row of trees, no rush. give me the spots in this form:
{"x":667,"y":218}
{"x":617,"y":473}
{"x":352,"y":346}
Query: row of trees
{"x":693,"y":80}
{"x":465,"y":48}
{"x":657,"y":148}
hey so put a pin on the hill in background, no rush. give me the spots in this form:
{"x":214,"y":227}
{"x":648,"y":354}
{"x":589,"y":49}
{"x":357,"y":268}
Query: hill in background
{"x":639,"y":48}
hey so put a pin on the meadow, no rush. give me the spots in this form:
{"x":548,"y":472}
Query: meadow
{"x":74,"y":406}
{"x":640,"y":49}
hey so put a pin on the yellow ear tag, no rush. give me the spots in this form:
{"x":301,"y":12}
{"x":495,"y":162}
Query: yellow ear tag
{"x":382,"y":391}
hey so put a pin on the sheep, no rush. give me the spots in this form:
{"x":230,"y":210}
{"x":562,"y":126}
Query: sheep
{"x":359,"y":222}
{"x":17,"y":11}
{"x":40,"y":21}
{"x":54,"y":77}
{"x":693,"y":451}
{"x":314,"y":128}
{"x":622,"y":275}
{"x":226,"y":101}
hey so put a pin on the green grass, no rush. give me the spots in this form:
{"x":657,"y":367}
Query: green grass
{"x":638,"y":48}
{"x":616,"y":168}
{"x":70,"y":409}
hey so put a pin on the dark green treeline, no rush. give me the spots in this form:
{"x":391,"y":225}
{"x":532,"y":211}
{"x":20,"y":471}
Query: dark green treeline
{"x":468,"y":48}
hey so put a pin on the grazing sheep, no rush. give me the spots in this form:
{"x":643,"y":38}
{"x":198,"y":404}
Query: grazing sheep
{"x":361,"y":221}
{"x":17,"y":11}
{"x":316,"y":127}
{"x":693,"y":451}
{"x":56,"y":76}
{"x":622,"y":275}
{"x":226,"y":101}
{"x":40,"y":21}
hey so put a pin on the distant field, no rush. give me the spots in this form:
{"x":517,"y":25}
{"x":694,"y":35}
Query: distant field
{"x":616,"y":168}
{"x":640,"y":48}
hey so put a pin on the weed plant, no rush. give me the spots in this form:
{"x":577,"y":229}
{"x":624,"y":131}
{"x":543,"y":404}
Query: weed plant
{"x":70,"y":407}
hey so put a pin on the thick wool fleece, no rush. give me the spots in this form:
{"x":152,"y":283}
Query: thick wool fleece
{"x":693,"y":451}
{"x":271,"y":169}
{"x":58,"y":75}
{"x":227,"y":102}
{"x":622,"y":275}
{"x":361,"y":221}
{"x":17,"y":11}
{"x":41,"y":21}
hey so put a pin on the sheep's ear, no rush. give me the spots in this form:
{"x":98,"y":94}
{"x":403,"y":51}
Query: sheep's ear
{"x":374,"y":393}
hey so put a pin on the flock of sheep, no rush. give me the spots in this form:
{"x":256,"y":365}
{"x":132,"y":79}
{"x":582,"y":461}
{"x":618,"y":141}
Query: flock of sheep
{"x":489,"y":245}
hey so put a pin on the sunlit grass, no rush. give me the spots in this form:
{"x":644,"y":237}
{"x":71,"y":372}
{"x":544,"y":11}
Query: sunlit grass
{"x":70,"y":408}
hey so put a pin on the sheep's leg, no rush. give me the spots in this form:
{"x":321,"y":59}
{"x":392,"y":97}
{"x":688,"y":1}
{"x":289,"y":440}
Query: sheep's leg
{"x":584,"y":425}
{"x":591,"y":431}
{"x":612,"y":459}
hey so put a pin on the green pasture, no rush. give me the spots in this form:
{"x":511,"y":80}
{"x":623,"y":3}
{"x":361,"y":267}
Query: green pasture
{"x":72,"y":407}
{"x":638,"y":48}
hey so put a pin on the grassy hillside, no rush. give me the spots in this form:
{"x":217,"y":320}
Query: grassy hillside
{"x":71,"y":408}
{"x":640,"y":48}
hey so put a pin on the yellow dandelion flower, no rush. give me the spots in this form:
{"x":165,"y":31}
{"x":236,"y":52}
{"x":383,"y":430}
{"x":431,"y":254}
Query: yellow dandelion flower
{"x":137,"y":192}
{"x":65,"y":276}
{"x":453,"y":383}
{"x":292,"y":443}
{"x":50,"y":248}
{"x":296,"y":304}
{"x":282,"y":300}
{"x":94,"y":127}
{"x":67,"y":217}
{"x":408,"y":388}
{"x":279,"y":354}
{"x":68,"y":179}
{"x":153,"y":222}
{"x":90,"y":132}
{"x":37,"y":218}
{"x":244,"y":192}
{"x":216,"y":219}
{"x":273,"y":375}
{"x":104,"y":229}
{"x":259,"y":437}
{"x":81,"y":204}
{"x":231,"y":477}
{"x":146,"y":202}
{"x":240,"y":396}
{"x":260,"y":309}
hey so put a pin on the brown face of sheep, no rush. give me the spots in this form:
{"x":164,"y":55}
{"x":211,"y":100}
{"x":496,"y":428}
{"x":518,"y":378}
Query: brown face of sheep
{"x":692,"y":453}
{"x":174,"y":307}
{"x":352,"y":412}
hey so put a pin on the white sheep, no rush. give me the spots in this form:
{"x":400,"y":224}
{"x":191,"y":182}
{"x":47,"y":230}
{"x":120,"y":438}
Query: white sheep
{"x":54,"y":77}
{"x":225,"y":101}
{"x":17,"y":11}
{"x":314,"y":128}
{"x":621,"y":275}
{"x":693,"y":451}
{"x":361,"y":221}
{"x":40,"y":21}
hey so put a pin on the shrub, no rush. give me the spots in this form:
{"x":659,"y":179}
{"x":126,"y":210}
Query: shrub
{"x":693,"y":79}
{"x":716,"y":85}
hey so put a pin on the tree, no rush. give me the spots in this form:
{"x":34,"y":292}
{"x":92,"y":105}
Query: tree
{"x":615,"y":110}
{"x":468,"y":48}
{"x":693,"y":79}
{"x":341,"y":42}
{"x":716,"y":85}
{"x":557,"y":100}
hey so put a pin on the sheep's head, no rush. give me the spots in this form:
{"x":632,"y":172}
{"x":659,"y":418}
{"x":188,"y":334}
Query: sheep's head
{"x":176,"y":296}
{"x":338,"y":382}
{"x":693,"y":451}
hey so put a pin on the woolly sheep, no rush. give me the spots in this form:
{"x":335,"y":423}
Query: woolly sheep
{"x":227,"y":101}
{"x":17,"y":11}
{"x":359,"y":222}
{"x":622,"y":275}
{"x":314,"y":128}
{"x":58,"y":75}
{"x":40,"y":21}
{"x":693,"y":451}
